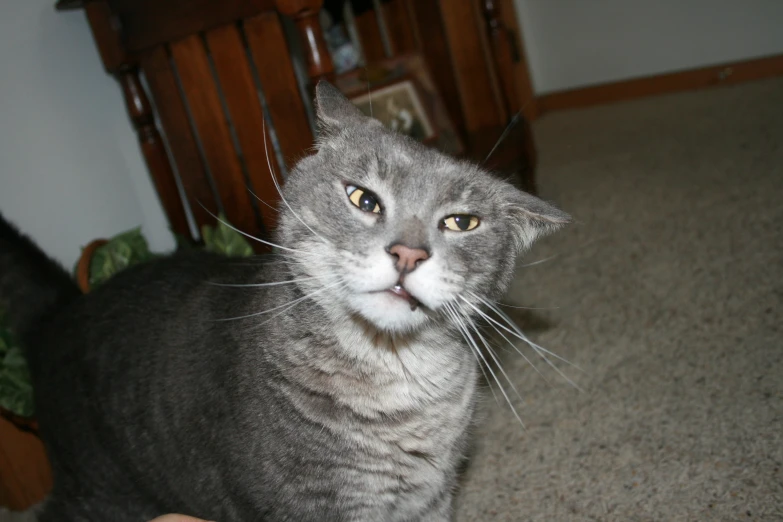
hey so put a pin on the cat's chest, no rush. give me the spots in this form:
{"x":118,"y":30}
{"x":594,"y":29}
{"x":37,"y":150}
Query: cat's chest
{"x":413,"y":416}
{"x":415,"y":399}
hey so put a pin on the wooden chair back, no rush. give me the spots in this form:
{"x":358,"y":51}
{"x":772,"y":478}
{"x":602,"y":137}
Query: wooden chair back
{"x":206,"y":84}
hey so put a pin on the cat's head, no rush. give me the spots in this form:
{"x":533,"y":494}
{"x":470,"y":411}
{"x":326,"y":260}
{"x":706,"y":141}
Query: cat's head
{"x":394,"y":231}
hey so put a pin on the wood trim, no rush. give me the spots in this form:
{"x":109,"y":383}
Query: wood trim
{"x":170,"y":108}
{"x":278,"y":82}
{"x":125,"y":68}
{"x":241,"y":98}
{"x":366,"y":21}
{"x":148,"y":23}
{"x":211,"y":126}
{"x":474,"y":83}
{"x":304,"y":13}
{"x":399,"y":25}
{"x":526,"y":98}
{"x":725,"y":74}
{"x":430,"y":34}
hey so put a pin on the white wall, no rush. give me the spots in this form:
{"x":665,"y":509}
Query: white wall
{"x":572,"y":43}
{"x":70,"y":166}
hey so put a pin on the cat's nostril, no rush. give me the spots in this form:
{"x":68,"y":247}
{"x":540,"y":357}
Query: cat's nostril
{"x":407,"y":259}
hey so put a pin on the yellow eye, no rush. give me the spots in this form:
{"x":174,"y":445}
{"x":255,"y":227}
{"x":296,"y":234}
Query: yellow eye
{"x":363,"y":199}
{"x":460,"y":222}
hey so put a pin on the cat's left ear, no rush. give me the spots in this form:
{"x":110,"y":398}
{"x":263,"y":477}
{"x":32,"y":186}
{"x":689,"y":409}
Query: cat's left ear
{"x":533,"y":218}
{"x":334,"y":110}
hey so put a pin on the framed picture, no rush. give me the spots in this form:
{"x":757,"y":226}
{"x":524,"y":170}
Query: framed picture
{"x":399,"y":107}
{"x":404,"y":97}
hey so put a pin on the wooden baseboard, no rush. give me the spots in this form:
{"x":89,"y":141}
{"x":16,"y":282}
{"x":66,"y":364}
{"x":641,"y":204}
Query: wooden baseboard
{"x":725,"y":74}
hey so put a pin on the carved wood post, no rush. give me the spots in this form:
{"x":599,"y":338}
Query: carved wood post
{"x":502,"y":45}
{"x":124,"y":67}
{"x":305,"y":15}
{"x":507,"y":57}
{"x":500,"y":17}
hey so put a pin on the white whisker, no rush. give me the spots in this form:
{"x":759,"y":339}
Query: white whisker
{"x":261,"y":200}
{"x":528,"y":307}
{"x":510,"y":342}
{"x":493,"y":355}
{"x":277,"y":185}
{"x":294,"y":303}
{"x":503,"y":135}
{"x":254,"y":238}
{"x":283,"y":305}
{"x":500,"y":386}
{"x":462,"y":330}
{"x":472,"y":343}
{"x":259,"y":285}
{"x":540,"y":261}
{"x":540,"y":350}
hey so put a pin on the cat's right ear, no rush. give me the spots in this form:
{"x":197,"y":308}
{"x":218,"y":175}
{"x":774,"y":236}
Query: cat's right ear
{"x":333,"y":110}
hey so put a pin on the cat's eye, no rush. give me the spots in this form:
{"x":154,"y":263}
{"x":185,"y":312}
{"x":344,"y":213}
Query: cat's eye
{"x":460,"y":222}
{"x":363,"y":199}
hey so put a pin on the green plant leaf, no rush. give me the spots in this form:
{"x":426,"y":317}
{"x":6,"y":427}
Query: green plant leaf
{"x":16,"y":390}
{"x":121,"y":251}
{"x":14,"y":359}
{"x":222,"y":239}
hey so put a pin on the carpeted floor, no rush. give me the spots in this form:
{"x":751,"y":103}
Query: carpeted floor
{"x":669,"y":291}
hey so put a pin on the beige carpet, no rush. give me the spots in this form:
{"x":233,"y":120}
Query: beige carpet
{"x":669,"y":291}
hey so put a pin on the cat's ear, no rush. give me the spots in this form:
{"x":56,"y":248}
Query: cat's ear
{"x":335,"y":111}
{"x":533,"y":218}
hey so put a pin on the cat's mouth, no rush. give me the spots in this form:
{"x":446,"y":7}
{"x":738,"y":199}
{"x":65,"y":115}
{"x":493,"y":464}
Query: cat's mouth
{"x":400,"y":291}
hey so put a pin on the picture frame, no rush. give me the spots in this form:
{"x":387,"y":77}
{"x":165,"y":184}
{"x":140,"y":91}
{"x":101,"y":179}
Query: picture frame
{"x":400,"y":107}
{"x":408,"y":76}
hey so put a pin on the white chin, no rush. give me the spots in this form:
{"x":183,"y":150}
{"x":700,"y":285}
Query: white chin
{"x":387,"y":311}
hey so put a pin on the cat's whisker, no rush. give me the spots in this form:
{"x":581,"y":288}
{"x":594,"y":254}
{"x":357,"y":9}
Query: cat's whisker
{"x":261,"y":200}
{"x":503,"y":135}
{"x":519,"y":333}
{"x":528,"y":307}
{"x":294,"y":303}
{"x":492,"y":354}
{"x":538,"y":262}
{"x":489,"y":368}
{"x":277,"y":185}
{"x":297,"y":261}
{"x":260,"y":285}
{"x":369,"y":90}
{"x":249,"y":236}
{"x":460,"y":327}
{"x":539,"y":350}
{"x":256,"y":314}
{"x":512,"y":344}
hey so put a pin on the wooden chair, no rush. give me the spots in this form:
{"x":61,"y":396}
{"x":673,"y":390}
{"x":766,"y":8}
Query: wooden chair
{"x":204,"y":79}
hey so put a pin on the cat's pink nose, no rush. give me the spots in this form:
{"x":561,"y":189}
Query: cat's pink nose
{"x":406,"y":259}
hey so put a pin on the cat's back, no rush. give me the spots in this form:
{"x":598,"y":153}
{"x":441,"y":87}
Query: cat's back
{"x":128,"y":374}
{"x":186,"y":287}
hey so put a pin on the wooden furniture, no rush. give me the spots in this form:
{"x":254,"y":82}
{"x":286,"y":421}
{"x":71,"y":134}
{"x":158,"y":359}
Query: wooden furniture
{"x":25,"y":474}
{"x":203,"y":81}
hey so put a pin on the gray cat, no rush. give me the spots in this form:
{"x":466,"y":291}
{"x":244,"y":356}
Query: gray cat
{"x":329,"y":382}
